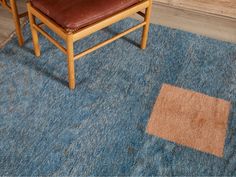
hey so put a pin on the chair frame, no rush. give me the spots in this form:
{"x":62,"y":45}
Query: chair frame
{"x":12,"y":8}
{"x":71,"y":37}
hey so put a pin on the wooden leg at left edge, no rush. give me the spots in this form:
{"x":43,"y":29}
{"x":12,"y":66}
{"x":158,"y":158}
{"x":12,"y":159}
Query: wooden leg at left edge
{"x":70,"y":60}
{"x":146,"y":27}
{"x":16,"y":19}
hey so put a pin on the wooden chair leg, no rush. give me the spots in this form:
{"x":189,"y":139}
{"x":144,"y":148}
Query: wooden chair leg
{"x":146,"y":27}
{"x":16,"y":19}
{"x":3,"y":2}
{"x":34,"y":32}
{"x":70,"y":60}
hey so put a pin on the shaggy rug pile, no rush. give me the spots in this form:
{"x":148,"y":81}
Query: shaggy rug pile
{"x":99,"y":128}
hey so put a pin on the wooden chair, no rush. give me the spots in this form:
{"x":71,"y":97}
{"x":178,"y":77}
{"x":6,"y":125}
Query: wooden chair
{"x":75,"y":28}
{"x":12,"y":7}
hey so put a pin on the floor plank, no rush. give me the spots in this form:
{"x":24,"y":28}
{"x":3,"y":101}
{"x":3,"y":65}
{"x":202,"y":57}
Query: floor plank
{"x":213,"y":26}
{"x":219,"y":7}
{"x":7,"y":27}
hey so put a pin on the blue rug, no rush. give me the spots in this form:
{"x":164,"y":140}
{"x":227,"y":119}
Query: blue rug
{"x":99,"y":128}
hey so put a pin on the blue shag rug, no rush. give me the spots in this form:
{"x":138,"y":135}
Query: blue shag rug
{"x":99,"y":128}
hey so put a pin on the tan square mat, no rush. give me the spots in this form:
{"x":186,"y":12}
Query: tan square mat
{"x":191,"y":119}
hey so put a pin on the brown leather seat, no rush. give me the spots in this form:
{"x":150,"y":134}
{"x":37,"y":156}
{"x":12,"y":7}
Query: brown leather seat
{"x":76,"y":14}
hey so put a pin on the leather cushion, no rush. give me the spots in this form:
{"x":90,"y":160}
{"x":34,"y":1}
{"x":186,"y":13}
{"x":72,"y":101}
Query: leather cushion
{"x":75,"y":14}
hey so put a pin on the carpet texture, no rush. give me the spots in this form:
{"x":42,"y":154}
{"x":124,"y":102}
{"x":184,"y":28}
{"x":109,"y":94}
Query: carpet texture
{"x":99,"y":128}
{"x":191,"y":119}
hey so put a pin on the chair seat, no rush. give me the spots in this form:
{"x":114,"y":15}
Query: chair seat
{"x":76,"y":14}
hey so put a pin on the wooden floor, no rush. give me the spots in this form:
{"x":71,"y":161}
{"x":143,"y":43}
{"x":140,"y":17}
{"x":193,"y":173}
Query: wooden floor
{"x":166,"y":12}
{"x":7,"y":28}
{"x":219,"y":7}
{"x":206,"y":24}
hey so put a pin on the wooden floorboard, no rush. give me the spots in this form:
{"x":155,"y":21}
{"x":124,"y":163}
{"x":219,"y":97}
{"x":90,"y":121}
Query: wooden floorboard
{"x":7,"y":27}
{"x":219,"y":7}
{"x":213,"y":26}
{"x":210,"y":25}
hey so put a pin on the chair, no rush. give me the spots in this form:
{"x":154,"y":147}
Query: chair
{"x":74,"y":20}
{"x":12,"y":7}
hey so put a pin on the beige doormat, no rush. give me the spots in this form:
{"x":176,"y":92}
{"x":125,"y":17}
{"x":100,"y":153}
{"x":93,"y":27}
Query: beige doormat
{"x":191,"y":119}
